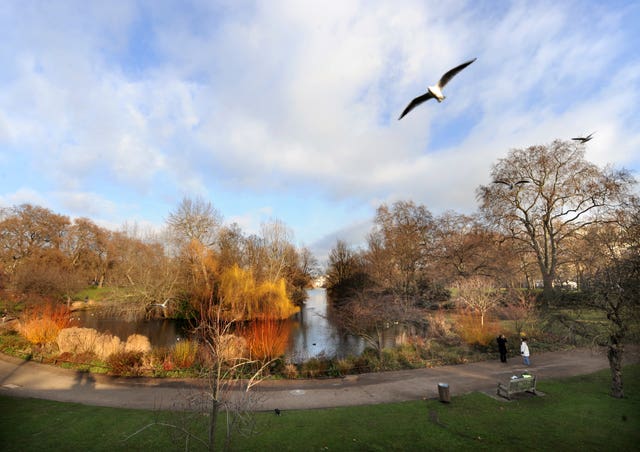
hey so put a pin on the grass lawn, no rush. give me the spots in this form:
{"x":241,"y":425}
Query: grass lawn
{"x":575,"y":414}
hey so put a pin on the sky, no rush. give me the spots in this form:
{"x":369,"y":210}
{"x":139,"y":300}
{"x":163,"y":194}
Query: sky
{"x":288,"y":110}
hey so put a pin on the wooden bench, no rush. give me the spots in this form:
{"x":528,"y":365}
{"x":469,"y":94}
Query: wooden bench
{"x":516,"y":385}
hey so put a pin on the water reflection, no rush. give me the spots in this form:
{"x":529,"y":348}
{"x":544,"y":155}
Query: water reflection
{"x":161,"y":332}
{"x":312,"y":333}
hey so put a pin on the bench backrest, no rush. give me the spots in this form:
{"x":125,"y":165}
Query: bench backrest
{"x":519,"y":384}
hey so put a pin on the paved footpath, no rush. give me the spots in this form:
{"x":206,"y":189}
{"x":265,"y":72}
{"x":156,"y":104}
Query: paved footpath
{"x":29,"y":379}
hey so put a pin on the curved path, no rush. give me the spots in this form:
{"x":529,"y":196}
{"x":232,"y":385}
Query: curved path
{"x":30,"y":379}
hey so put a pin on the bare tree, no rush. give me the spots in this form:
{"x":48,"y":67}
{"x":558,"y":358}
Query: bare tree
{"x":564,"y":194}
{"x":613,"y":286}
{"x":345,"y":273}
{"x":520,"y":308}
{"x":369,"y":315}
{"x":87,"y":245}
{"x":276,"y":237}
{"x":478,"y":294}
{"x":230,"y":374}
{"x":400,"y":248}
{"x":617,"y":293}
{"x":465,"y":247}
{"x":195,"y":219}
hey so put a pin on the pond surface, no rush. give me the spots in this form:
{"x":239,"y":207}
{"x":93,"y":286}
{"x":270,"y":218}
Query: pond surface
{"x":312,"y":333}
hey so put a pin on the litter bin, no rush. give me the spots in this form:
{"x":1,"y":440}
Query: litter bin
{"x":443,"y":392}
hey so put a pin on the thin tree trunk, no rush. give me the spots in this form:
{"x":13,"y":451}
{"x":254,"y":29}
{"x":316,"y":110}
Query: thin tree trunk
{"x":213,"y":420}
{"x":615,"y":354}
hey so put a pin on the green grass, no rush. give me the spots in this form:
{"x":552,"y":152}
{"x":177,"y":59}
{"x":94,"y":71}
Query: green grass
{"x":98,"y":293}
{"x":574,"y":414}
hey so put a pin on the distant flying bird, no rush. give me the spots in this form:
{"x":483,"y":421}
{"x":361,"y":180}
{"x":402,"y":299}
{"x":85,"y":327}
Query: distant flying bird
{"x":583,"y":140}
{"x":510,"y":184}
{"x":435,"y":91}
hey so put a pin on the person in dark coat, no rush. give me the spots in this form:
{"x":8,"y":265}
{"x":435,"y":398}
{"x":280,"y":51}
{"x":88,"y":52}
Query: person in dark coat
{"x":502,"y":348}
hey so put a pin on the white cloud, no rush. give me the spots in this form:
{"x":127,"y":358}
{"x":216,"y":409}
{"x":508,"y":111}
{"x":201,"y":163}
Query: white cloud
{"x":92,"y":205}
{"x":116,"y":101}
{"x":22,"y":196}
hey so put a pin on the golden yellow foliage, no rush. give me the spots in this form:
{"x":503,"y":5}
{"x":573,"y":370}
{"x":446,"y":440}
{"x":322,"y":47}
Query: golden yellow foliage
{"x":273,"y":301}
{"x":243,"y":299}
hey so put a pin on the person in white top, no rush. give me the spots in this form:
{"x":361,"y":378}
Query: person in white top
{"x":524,"y":351}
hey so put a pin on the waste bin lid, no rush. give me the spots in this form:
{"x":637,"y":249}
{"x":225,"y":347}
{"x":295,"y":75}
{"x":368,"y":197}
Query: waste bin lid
{"x":443,"y":385}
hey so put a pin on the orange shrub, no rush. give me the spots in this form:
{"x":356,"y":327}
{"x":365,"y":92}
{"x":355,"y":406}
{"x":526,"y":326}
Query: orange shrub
{"x":268,"y":339}
{"x":41,"y":324}
{"x":473,"y":332}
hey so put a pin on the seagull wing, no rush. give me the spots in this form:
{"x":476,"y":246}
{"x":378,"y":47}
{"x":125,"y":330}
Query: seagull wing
{"x":452,"y":73}
{"x":415,"y":102}
{"x":520,"y":182}
{"x":502,"y":182}
{"x":584,"y":139}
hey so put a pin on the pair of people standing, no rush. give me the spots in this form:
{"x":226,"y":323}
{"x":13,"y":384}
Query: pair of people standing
{"x":502,"y":348}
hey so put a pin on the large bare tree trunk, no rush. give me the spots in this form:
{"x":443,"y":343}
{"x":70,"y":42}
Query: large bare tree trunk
{"x":547,"y":286}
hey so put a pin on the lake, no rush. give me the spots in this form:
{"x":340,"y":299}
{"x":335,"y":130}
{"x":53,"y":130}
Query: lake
{"x":312,"y":333}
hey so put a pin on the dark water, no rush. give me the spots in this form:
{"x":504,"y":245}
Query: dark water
{"x":161,"y":332}
{"x":312,"y":333}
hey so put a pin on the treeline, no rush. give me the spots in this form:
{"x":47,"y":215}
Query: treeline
{"x":563,"y":222}
{"x":416,"y":256}
{"x":194,"y":258}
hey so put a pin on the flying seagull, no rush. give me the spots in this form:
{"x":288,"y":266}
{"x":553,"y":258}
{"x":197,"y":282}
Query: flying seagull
{"x":583,"y":140}
{"x":162,"y":305}
{"x":435,"y":91}
{"x":509,"y":183}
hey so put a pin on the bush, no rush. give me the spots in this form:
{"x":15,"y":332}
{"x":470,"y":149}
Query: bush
{"x":267,"y":339}
{"x":342,"y":367}
{"x":315,"y":367}
{"x":81,"y":340}
{"x":41,"y":324}
{"x":125,"y":363}
{"x":14,"y":344}
{"x":410,"y":356}
{"x":473,"y":332}
{"x":183,"y":355}
{"x":439,"y":326}
{"x":137,"y":343}
{"x":232,"y":347}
